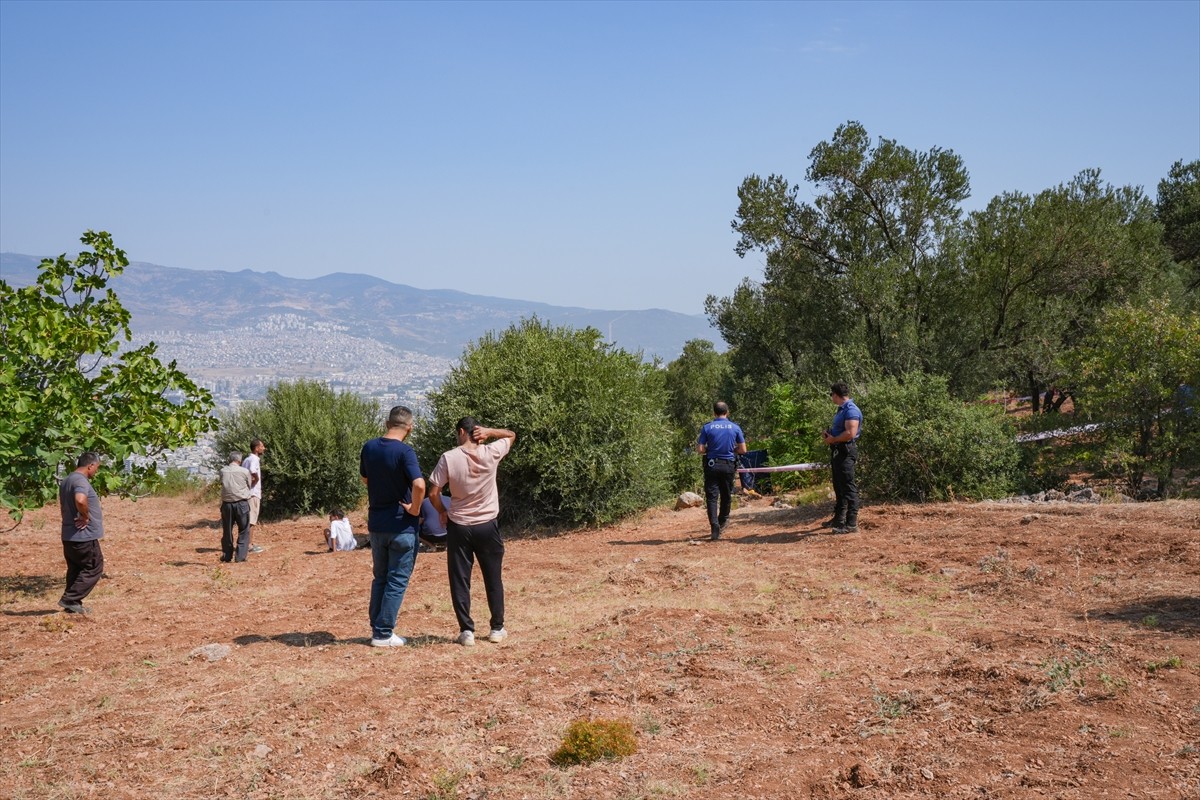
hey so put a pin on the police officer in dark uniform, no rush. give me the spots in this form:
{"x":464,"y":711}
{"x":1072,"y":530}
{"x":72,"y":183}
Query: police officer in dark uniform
{"x":841,"y":438}
{"x":720,"y":443}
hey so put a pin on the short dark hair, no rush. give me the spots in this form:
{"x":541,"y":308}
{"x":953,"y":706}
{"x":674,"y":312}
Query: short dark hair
{"x":87,"y":459}
{"x":336,"y":512}
{"x":720,"y":408}
{"x":840,"y":389}
{"x":255,"y":443}
{"x":399,"y":415}
{"x":467,"y":425}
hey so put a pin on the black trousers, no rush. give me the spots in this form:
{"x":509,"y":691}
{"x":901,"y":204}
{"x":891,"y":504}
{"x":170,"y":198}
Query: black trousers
{"x":85,"y":565}
{"x":239,"y":512}
{"x":845,"y":490}
{"x":718,"y":489}
{"x":463,"y":544}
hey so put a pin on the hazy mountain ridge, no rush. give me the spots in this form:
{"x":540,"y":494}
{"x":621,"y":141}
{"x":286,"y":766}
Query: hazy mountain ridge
{"x":436,"y":322}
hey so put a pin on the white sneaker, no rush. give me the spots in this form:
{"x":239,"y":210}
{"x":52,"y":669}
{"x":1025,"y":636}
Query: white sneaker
{"x":394,"y":641}
{"x":496,"y":637}
{"x":466,"y":639}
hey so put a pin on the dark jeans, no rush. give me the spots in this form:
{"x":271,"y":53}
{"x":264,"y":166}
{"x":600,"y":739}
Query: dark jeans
{"x":463,"y":544}
{"x":393,"y":556}
{"x":239,"y":512}
{"x":85,"y":565}
{"x":845,"y":490}
{"x":718,"y":487}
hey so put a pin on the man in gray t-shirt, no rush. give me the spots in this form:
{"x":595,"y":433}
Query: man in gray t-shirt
{"x":82,"y":530}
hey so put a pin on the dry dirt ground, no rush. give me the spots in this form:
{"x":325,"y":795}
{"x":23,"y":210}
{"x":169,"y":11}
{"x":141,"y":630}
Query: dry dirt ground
{"x":957,"y":650}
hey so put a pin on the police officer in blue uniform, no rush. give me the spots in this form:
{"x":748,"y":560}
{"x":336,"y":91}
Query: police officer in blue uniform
{"x":841,"y":438}
{"x":720,"y":443}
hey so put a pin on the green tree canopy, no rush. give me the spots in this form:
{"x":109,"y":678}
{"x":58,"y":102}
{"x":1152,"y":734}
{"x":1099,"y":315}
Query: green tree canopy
{"x":863,"y":262}
{"x":313,"y":437}
{"x":593,"y":440}
{"x":66,"y":387}
{"x":1139,"y":375}
{"x":695,"y":380}
{"x":1036,"y":273}
{"x":1178,"y":210}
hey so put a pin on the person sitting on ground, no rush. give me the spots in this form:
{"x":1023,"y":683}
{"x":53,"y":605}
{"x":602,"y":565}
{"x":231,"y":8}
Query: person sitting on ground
{"x":338,"y":535}
{"x":433,"y":530}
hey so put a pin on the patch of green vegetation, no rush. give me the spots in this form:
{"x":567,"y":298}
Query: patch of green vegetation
{"x":589,"y":740}
{"x":175,"y":482}
{"x":445,"y":786}
{"x":222,"y":579}
{"x":649,"y":724}
{"x":1066,"y":671}
{"x":894,"y":706}
{"x":1174,"y":662}
{"x":812,"y":495}
{"x":999,"y":563}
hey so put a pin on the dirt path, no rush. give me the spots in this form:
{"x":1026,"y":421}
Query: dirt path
{"x":958,"y":651}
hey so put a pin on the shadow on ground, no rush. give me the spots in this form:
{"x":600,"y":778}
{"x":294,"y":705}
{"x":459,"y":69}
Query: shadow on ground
{"x":40,"y":612}
{"x":29,"y":585}
{"x":1164,"y":613}
{"x":325,"y":638}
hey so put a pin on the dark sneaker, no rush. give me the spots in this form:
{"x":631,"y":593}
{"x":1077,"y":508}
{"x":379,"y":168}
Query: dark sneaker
{"x":833,"y":523}
{"x":72,"y":608}
{"x":716,"y":533}
{"x":846,"y":529}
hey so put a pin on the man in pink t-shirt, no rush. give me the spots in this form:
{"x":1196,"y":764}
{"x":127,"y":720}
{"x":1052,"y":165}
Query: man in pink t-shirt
{"x":469,"y":472}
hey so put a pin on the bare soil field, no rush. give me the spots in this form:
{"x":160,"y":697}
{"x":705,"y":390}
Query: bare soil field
{"x":955,"y":650}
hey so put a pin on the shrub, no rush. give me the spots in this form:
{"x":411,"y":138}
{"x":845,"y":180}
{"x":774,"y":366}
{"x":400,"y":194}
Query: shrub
{"x":919,"y":443}
{"x":797,"y":415}
{"x":593,"y":441}
{"x":177,"y":481}
{"x":313,"y":437}
{"x":1138,"y":375}
{"x":592,"y":740}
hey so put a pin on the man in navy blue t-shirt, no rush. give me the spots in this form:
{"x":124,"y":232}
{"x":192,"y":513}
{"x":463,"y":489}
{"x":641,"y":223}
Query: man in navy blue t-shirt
{"x":395,"y":489}
{"x":842,"y":438}
{"x":720,"y":443}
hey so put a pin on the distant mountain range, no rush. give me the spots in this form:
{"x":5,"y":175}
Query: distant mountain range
{"x":433,"y":322}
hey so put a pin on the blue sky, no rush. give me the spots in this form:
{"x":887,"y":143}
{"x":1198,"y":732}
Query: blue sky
{"x":582,"y":154}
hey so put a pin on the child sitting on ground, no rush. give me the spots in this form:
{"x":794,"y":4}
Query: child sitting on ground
{"x":338,"y":535}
